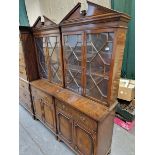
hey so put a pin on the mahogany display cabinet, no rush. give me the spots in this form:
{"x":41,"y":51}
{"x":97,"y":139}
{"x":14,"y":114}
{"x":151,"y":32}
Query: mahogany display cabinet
{"x":79,"y":64}
{"x":27,"y":67}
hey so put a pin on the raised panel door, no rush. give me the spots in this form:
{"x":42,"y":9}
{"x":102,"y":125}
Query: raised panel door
{"x":65,"y":127}
{"x":84,"y":140}
{"x":38,"y":107}
{"x":49,"y":115}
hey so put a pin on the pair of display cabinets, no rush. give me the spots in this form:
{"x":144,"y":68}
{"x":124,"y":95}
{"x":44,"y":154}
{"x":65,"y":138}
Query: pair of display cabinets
{"x":73,"y":71}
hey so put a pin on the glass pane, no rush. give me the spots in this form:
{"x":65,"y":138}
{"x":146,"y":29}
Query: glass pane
{"x":55,"y":59}
{"x":72,"y":52}
{"x":99,"y":54}
{"x":42,"y":57}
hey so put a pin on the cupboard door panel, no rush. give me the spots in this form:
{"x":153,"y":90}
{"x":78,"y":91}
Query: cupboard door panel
{"x":65,"y":126}
{"x":84,"y":143}
{"x":49,"y":116}
{"x":38,"y":107}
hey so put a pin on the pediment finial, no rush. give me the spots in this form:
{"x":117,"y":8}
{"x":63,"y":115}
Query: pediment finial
{"x":84,"y":8}
{"x":42,"y":20}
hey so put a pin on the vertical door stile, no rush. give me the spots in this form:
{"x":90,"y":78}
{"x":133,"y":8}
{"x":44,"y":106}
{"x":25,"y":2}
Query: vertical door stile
{"x":84,"y":64}
{"x":62,"y":59}
{"x":48,"y":59}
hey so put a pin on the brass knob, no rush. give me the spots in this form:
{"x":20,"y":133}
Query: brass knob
{"x":63,"y":107}
{"x":40,"y":99}
{"x":82,"y":118}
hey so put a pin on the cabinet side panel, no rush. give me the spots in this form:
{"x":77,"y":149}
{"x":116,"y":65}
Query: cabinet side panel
{"x":29,"y":55}
{"x":119,"y":45}
{"x":105,"y":131}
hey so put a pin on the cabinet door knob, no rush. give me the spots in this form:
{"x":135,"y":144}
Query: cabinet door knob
{"x":82,"y":118}
{"x":40,"y":100}
{"x":63,"y":106}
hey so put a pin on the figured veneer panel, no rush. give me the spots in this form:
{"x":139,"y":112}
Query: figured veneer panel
{"x":84,"y":141}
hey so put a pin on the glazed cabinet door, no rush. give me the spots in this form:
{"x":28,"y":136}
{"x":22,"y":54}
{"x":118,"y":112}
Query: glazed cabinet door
{"x":73,"y":61}
{"x":85,"y":140}
{"x":50,"y":58}
{"x":99,"y":49}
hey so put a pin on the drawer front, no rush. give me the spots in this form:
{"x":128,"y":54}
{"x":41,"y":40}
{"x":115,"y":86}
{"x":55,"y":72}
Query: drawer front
{"x":24,"y":97}
{"x":24,"y":85}
{"x":43,"y":97}
{"x":87,"y":122}
{"x":22,"y":72}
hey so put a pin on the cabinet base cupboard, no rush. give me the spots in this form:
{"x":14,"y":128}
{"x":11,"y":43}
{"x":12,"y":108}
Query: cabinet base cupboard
{"x":84,"y":125}
{"x":75,"y":82}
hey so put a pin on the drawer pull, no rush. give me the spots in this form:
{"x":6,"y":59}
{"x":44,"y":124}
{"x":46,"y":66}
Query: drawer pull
{"x":63,"y":107}
{"x":82,"y":118}
{"x":40,"y":100}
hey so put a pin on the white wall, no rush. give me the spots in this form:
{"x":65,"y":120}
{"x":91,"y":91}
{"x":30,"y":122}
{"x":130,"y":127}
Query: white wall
{"x":55,"y":10}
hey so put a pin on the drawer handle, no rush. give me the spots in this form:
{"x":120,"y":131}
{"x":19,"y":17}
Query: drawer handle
{"x":63,"y":107}
{"x":82,"y":118}
{"x":41,"y":100}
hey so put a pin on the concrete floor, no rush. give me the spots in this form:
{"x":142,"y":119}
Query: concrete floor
{"x":35,"y":139}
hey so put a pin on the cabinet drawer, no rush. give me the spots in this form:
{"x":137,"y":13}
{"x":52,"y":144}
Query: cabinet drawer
{"x":24,"y":97}
{"x":87,"y":122}
{"x":22,"y":72}
{"x":41,"y":96}
{"x":23,"y":85}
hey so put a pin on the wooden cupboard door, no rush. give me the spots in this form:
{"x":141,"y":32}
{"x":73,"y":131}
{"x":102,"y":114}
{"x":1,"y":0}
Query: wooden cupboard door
{"x":38,"y":107}
{"x":65,"y":127}
{"x":49,"y":115}
{"x":84,"y":140}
